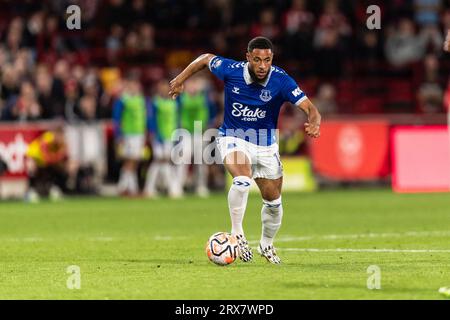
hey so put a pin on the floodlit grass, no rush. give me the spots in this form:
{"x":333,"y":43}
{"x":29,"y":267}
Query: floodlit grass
{"x":154,"y":249}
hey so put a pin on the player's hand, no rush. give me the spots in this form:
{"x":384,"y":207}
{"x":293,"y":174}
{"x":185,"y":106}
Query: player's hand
{"x":447,"y":42}
{"x":312,"y":129}
{"x":176,"y":87}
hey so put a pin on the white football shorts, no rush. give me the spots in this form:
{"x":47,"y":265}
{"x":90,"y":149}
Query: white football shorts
{"x":265,"y":160}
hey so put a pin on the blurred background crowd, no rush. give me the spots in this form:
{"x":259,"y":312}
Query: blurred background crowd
{"x":50,"y":72}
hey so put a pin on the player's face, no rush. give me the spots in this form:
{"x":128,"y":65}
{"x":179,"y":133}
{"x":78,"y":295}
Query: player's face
{"x":260,"y":62}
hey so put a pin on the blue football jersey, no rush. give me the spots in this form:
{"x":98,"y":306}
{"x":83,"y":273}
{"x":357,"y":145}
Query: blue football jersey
{"x":252,"y":109}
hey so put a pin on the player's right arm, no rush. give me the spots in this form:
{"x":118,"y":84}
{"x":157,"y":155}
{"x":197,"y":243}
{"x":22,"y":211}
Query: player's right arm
{"x":176,"y":84}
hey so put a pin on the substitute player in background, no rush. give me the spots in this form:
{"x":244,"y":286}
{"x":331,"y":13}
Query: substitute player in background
{"x":164,"y":121}
{"x":254,"y":93}
{"x":196,"y":108}
{"x":130,"y":120}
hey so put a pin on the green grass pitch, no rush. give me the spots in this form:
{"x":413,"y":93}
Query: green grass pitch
{"x":154,"y":249}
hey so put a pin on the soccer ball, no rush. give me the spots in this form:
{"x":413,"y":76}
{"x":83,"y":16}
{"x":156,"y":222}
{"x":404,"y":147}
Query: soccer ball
{"x":222,"y":248}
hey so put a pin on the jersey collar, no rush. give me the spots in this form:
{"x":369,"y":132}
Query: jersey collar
{"x":248,"y":79}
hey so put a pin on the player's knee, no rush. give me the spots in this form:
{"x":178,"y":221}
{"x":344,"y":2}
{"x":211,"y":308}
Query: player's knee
{"x":242,"y":183}
{"x":271,"y":195}
{"x":274,"y":205}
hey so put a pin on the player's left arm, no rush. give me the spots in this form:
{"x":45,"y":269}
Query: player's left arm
{"x":312,"y":127}
{"x":292,"y":93}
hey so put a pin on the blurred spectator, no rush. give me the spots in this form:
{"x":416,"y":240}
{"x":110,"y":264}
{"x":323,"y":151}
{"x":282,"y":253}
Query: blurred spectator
{"x":328,"y":55}
{"x":79,"y":73}
{"x":332,"y":18}
{"x":298,"y":18}
{"x":110,"y":79}
{"x":24,"y":107}
{"x":48,"y":72}
{"x":89,"y":9}
{"x":34,"y":28}
{"x":427,"y":12}
{"x":10,"y":82}
{"x":314,"y":39}
{"x":146,"y":37}
{"x":51,"y":103}
{"x":91,"y":84}
{"x":446,"y":20}
{"x":430,"y":93}
{"x":330,"y":40}
{"x":14,"y":36}
{"x":325,"y":99}
{"x":138,"y":12}
{"x":114,"y":43}
{"x":433,"y":38}
{"x":219,"y":42}
{"x":266,"y":26}
{"x":404,"y":45}
{"x":61,"y":76}
{"x":131,"y":51}
{"x":115,"y":10}
{"x":369,"y":50}
{"x":71,"y":101}
{"x":218,"y":14}
{"x":50,"y":41}
{"x":164,"y":121}
{"x":61,"y":70}
{"x":85,"y":139}
{"x":46,"y":166}
{"x":3,"y":55}
{"x":88,"y":108}
{"x":299,"y":25}
{"x":130,"y":126}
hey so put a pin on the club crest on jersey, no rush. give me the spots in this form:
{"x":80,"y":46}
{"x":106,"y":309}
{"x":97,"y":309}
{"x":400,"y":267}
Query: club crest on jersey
{"x":265,"y":95}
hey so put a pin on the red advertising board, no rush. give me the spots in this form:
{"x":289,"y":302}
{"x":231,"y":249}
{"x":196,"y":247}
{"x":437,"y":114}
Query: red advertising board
{"x":420,"y":159}
{"x":14,"y":139}
{"x":352,"y":150}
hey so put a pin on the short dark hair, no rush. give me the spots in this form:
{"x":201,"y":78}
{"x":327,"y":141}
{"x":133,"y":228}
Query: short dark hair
{"x":259,"y":43}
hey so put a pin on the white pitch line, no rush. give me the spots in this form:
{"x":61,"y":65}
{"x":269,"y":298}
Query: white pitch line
{"x":25,"y":239}
{"x":168,"y":238}
{"x":363,"y":235}
{"x":93,"y":239}
{"x":367,"y":250}
{"x":101,"y":239}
